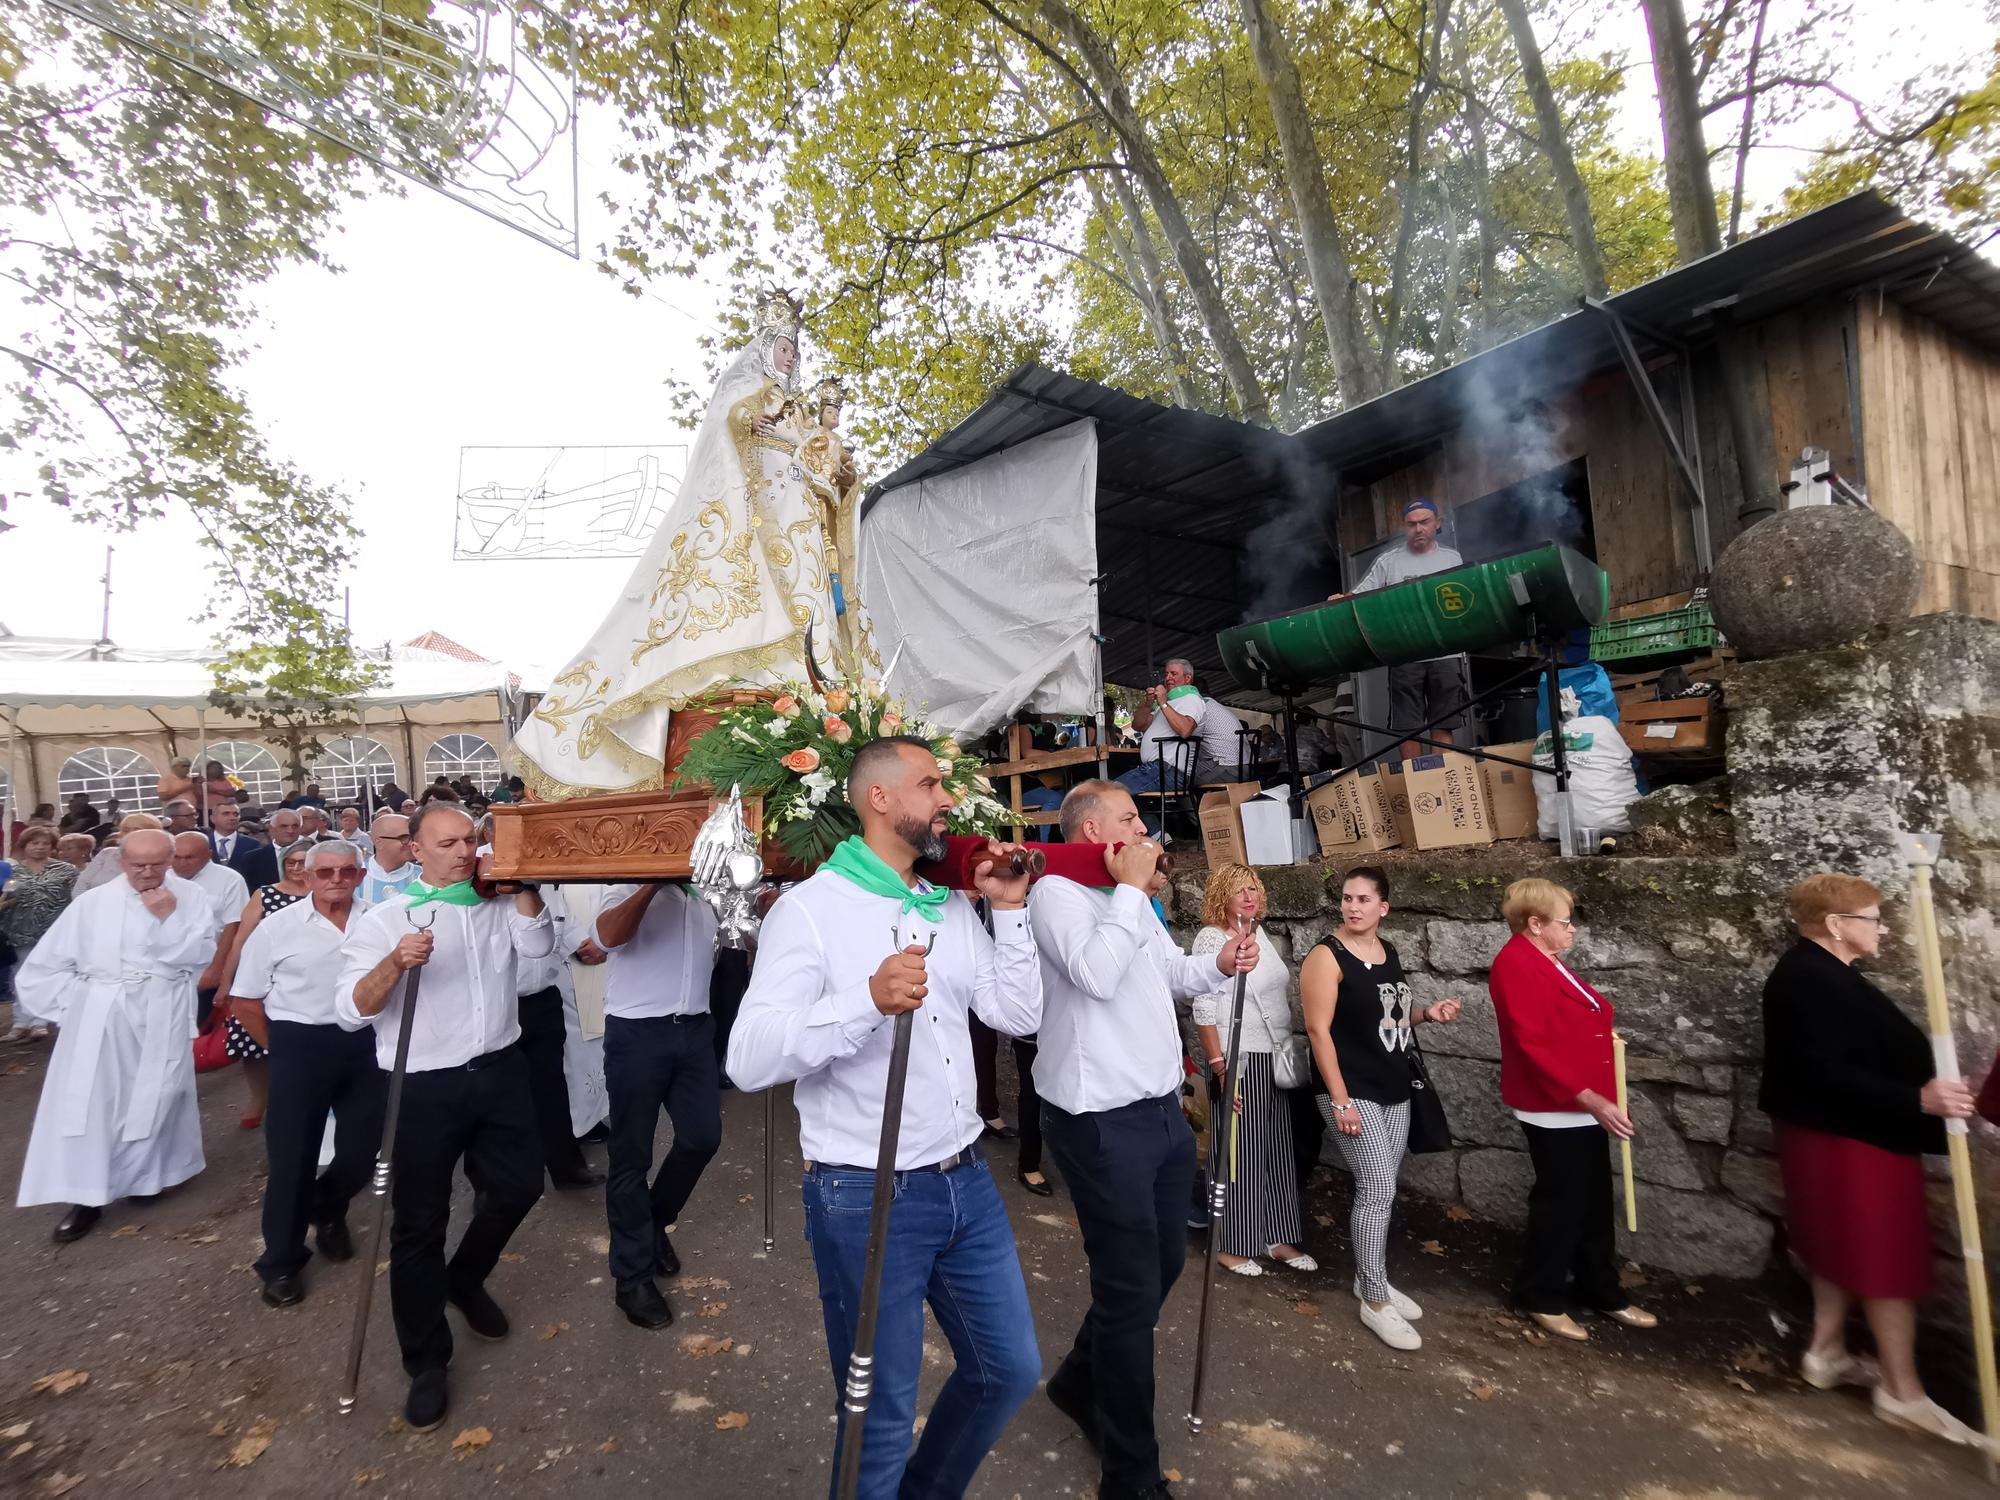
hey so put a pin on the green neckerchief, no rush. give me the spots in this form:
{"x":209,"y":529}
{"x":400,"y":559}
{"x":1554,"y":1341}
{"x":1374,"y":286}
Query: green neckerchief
{"x":459,"y":893}
{"x":1183,"y":691}
{"x":854,"y":860}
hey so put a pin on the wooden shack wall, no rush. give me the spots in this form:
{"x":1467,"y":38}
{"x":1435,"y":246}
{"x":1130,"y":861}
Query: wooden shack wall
{"x":1930,"y":406}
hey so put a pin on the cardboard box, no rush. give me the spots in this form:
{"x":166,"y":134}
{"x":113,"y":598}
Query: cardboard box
{"x":1366,"y":796}
{"x":1391,"y":772}
{"x":1221,"y":828}
{"x":1330,"y":817}
{"x":1266,"y":820}
{"x":1510,"y":792}
{"x":1447,"y":801}
{"x":1680,"y":726}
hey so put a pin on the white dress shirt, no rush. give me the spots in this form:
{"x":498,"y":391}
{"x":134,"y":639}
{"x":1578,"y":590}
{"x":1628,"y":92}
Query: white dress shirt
{"x":466,"y":1006}
{"x":291,"y":961}
{"x":1111,"y":975}
{"x":665,"y":967}
{"x":808,"y":1016}
{"x":549,"y":971}
{"x":225,"y":890}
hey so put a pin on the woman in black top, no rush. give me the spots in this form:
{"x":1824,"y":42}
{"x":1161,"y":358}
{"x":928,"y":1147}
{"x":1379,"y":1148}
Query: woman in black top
{"x":1358,"y":1018}
{"x":1850,"y":1086}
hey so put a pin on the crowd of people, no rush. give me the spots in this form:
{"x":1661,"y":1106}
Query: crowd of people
{"x":552,"y":1018}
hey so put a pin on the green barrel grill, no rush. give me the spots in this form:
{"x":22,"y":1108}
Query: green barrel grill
{"x":1538,"y":594}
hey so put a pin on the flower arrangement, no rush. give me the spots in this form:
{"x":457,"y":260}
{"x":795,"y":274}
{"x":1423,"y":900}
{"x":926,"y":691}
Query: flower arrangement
{"x":795,"y":753}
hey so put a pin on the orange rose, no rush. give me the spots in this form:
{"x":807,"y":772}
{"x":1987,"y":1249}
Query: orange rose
{"x":801,"y":761}
{"x":837,"y":730}
{"x":787,"y":705}
{"x":837,"y":700}
{"x":891,"y":722}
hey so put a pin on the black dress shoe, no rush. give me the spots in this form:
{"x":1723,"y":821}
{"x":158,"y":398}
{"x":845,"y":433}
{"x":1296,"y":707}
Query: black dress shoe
{"x":589,"y":1177}
{"x":597,"y":1135}
{"x":77,"y":1223}
{"x":482,"y":1314}
{"x":999,"y":1130}
{"x":424,"y":1411}
{"x":1078,"y":1409}
{"x":1042,"y":1189}
{"x":643,"y":1303}
{"x":335,"y":1243}
{"x":284,"y":1291}
{"x":668,"y":1262}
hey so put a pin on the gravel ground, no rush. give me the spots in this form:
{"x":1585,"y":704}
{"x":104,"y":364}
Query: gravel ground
{"x":196,"y":1389}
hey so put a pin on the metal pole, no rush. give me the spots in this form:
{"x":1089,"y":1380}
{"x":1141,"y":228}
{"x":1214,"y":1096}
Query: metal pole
{"x":1218,"y":1195}
{"x":771,"y":1170}
{"x":861,"y":1359}
{"x":1920,"y":853}
{"x":384,"y":1155}
{"x":1552,"y":692}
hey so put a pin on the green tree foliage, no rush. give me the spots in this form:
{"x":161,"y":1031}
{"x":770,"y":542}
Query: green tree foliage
{"x":143,"y":207}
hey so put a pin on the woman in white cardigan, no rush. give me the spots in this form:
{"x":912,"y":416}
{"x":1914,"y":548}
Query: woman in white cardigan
{"x":1251,"y":1150}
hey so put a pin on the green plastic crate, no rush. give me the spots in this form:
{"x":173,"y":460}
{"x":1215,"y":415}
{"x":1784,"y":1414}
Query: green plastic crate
{"x":1690,"y":628}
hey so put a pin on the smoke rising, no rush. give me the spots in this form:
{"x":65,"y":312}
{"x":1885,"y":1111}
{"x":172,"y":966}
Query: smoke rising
{"x":1506,"y":433}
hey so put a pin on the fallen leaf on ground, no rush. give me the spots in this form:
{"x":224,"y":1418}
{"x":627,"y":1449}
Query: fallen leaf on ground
{"x":471,"y":1440}
{"x":729,"y":1421}
{"x":220,"y":1429}
{"x":1325,"y":1221}
{"x":609,"y":1445}
{"x":368,"y":1476}
{"x":1535,"y":1336}
{"x":62,"y":1484}
{"x":20,"y":1448}
{"x":1458,"y":1213}
{"x":1431,"y":1247}
{"x":1482,"y":1393}
{"x":1741,"y":1384}
{"x":126,"y":1231}
{"x":512,"y":1257}
{"x":250,"y":1447}
{"x":701,"y":1345}
{"x":208,"y":1239}
{"x":381,"y":1268}
{"x":550,"y":1330}
{"x":18,"y":1430}
{"x":62,"y":1382}
{"x":1696,"y":1290}
{"x":1631,"y":1278}
{"x":1752,"y":1361}
{"x":714,"y":1309}
{"x":1173,"y":1476}
{"x":701,"y":1283}
{"x":1306,"y":1309}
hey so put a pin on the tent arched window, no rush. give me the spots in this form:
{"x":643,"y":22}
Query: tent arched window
{"x":345,"y":766}
{"x":107,"y":771}
{"x":467,"y":755}
{"x":254,"y":766}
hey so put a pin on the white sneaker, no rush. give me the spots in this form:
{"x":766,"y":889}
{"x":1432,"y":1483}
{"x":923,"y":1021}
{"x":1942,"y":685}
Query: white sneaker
{"x":1397,"y":1300}
{"x":1390,"y":1327}
{"x":1926,"y":1416}
{"x":1845,"y":1369}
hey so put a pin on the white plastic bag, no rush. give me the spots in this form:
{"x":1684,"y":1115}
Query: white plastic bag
{"x":1601,"y":783}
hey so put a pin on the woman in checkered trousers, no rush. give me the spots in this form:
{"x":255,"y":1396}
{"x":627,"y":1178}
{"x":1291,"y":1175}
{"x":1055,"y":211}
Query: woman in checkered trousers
{"x":1359,"y":1017}
{"x":1262,"y":1214}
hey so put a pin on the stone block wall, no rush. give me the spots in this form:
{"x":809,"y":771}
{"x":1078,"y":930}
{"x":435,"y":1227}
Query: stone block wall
{"x":1828,"y":751}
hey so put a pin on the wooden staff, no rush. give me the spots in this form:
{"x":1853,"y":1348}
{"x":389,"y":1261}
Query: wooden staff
{"x":1920,"y":853}
{"x":1625,"y":1146}
{"x":384,"y":1155}
{"x":1218,"y":1194}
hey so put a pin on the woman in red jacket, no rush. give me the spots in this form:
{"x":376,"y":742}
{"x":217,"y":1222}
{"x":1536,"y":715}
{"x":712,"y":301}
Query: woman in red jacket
{"x":1556,"y":1076}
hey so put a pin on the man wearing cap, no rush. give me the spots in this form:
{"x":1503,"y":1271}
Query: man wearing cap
{"x":1419,"y":691}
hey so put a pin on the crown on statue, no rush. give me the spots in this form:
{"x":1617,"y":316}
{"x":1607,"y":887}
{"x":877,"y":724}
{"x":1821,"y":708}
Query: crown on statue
{"x":829,"y":392}
{"x":778,"y":309}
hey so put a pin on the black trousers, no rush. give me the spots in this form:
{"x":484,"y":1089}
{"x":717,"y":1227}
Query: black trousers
{"x":1570,"y":1259}
{"x":727,"y":983}
{"x":315,"y":1069}
{"x":1028,"y":1103}
{"x":542,"y":1035}
{"x":985,"y":1067}
{"x":650,"y":1063}
{"x":1129,"y":1172}
{"x":1308,"y":1131}
{"x":485,"y":1115}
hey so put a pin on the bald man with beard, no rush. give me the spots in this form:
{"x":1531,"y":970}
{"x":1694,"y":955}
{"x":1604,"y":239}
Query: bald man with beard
{"x":117,"y":1115}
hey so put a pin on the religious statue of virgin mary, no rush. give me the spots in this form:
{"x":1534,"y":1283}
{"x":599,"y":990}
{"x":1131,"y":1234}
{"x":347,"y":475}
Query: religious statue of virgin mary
{"x":741,"y":568}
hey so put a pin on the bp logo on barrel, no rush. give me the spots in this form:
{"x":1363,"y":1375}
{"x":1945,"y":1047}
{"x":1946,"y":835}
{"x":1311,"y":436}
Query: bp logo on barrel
{"x":1453,"y":599}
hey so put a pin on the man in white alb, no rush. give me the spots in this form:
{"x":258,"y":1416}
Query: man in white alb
{"x":860,"y":942}
{"x":659,"y":1053}
{"x":290,"y":964}
{"x":465,"y":1094}
{"x":1419,"y":691}
{"x":117,"y":1116}
{"x":1108,"y":1068}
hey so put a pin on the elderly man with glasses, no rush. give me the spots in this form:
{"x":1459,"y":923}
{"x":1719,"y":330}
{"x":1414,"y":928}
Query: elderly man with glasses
{"x":289,"y":965}
{"x":390,"y":866}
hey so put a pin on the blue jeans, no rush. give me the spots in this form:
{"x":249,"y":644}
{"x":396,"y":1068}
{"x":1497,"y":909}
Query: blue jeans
{"x":949,"y":1245}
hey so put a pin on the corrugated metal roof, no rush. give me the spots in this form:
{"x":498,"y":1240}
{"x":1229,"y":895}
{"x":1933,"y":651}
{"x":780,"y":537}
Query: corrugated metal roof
{"x":1182,"y":495}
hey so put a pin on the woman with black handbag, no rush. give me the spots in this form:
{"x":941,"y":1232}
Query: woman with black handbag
{"x":1374,"y":1093}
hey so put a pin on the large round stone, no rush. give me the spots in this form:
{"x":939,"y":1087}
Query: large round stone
{"x":1807,"y":579}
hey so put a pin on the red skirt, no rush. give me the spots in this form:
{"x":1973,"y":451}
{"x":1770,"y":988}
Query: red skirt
{"x":1856,"y":1213}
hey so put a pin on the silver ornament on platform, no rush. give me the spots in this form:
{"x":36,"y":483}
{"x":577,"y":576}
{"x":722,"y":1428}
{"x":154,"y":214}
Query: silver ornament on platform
{"x":729,"y":872}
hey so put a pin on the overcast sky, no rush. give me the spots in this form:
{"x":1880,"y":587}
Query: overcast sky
{"x":448,"y":330}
